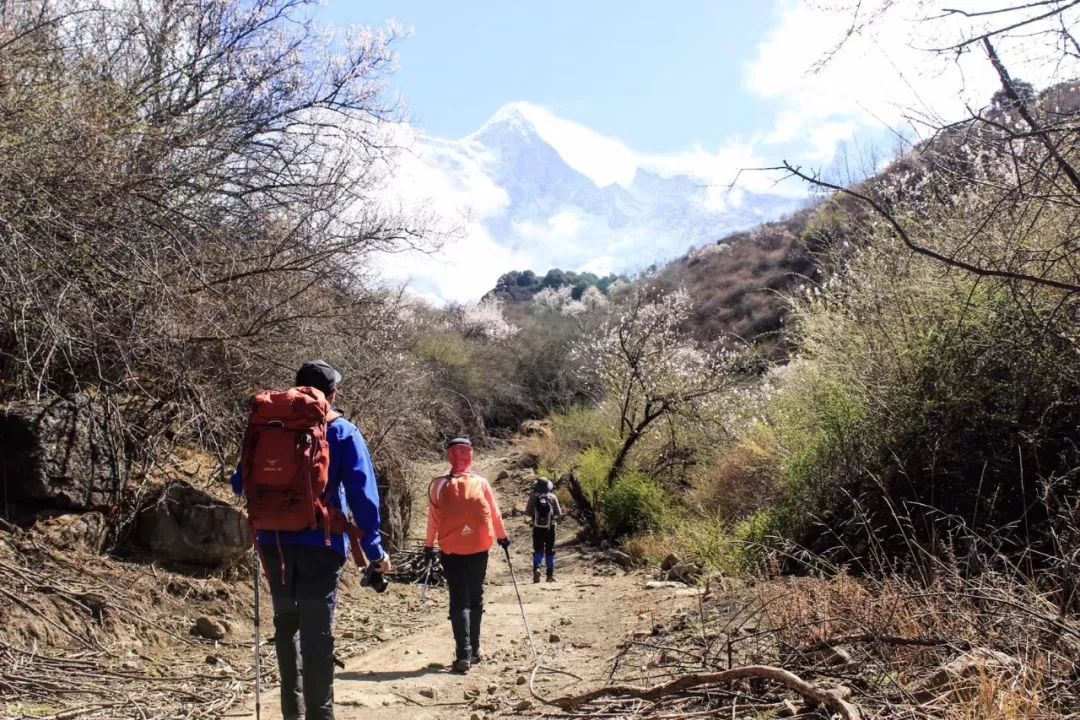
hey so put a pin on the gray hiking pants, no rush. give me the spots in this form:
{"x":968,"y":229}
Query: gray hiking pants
{"x":304,"y":598}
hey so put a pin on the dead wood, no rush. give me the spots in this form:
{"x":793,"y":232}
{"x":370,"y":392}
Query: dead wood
{"x":826,"y":698}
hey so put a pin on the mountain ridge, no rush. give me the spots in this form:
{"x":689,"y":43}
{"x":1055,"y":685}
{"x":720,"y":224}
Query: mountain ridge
{"x":535,"y":188}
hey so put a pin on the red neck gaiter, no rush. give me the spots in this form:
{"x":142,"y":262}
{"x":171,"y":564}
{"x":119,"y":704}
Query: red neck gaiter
{"x":460,"y":459}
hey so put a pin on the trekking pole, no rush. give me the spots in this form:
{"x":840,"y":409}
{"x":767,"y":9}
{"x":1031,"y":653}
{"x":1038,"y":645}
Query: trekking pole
{"x":258,"y":651}
{"x":427,"y":576}
{"x":525,"y":620}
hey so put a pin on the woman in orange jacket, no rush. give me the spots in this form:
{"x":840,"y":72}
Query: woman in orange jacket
{"x":465,"y":520}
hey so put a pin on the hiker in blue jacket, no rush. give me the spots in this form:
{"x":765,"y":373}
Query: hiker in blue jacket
{"x":303,"y":571}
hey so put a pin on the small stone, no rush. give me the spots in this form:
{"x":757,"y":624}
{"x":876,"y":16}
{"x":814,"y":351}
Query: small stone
{"x":129,"y":666}
{"x":521,"y":680}
{"x":493,"y":688}
{"x":789,"y":709}
{"x":476,"y":716}
{"x":554,"y":638}
{"x":837,"y":656}
{"x":471,"y":693}
{"x":211,"y":660}
{"x":429,"y":692}
{"x":566,"y":621}
{"x":524,"y":705}
{"x":209,"y":628}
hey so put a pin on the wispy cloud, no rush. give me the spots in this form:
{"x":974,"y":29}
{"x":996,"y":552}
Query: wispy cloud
{"x":883,"y":77}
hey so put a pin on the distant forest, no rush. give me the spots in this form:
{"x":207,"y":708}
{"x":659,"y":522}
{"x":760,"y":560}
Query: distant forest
{"x":521,"y":286}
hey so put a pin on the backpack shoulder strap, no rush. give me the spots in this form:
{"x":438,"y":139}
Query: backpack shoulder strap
{"x":435,"y":488}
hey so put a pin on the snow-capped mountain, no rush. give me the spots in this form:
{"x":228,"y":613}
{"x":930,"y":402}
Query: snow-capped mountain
{"x":534,"y":191}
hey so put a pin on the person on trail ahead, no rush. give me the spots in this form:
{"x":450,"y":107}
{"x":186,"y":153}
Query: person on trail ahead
{"x":543,"y":512}
{"x":303,"y":468}
{"x":464,"y":517}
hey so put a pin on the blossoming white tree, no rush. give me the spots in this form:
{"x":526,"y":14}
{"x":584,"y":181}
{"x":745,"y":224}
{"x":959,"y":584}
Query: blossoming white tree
{"x":645,"y":362}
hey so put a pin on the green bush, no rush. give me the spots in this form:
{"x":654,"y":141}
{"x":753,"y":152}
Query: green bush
{"x":584,"y":427}
{"x":592,"y":469}
{"x":928,"y":410}
{"x":706,"y":540}
{"x":635,"y":504}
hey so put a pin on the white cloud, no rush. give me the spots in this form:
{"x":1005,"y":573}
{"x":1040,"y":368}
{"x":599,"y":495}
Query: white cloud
{"x":466,"y":268}
{"x":882,"y":77}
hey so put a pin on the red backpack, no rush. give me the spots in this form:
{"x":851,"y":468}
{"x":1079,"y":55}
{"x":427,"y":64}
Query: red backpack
{"x":285,"y":461}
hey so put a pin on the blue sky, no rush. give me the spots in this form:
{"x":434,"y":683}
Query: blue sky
{"x":659,"y":76}
{"x":692,"y":89}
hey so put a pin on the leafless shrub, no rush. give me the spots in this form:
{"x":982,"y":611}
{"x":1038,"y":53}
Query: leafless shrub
{"x":188,"y":201}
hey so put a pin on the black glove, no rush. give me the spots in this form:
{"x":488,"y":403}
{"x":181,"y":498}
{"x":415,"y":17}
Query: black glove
{"x":429,"y":554}
{"x":504,"y":543}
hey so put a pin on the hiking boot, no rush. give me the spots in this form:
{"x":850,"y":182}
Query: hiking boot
{"x":551,"y":577}
{"x":460,"y":666}
{"x":476,"y":658}
{"x":536,"y":575}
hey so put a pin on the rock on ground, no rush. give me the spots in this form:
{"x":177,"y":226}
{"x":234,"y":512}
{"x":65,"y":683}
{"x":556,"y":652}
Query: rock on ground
{"x":66,"y":454}
{"x":186,"y":525}
{"x":85,"y":531}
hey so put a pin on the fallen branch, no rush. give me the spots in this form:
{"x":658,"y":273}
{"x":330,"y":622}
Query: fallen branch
{"x":826,"y":698}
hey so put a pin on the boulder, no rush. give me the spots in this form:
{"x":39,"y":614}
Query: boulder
{"x":83,"y":531}
{"x":66,"y":454}
{"x":669,"y":562}
{"x":528,"y":461}
{"x":209,"y":628}
{"x":536,"y":428}
{"x":183,"y":524}
{"x":689,"y":573}
{"x":960,"y":677}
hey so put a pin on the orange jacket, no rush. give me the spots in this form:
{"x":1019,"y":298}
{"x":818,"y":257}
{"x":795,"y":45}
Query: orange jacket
{"x":463,"y":515}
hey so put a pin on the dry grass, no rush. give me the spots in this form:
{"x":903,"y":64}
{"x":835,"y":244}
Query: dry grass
{"x":978,"y":648}
{"x":739,"y":481}
{"x":1012,"y":654}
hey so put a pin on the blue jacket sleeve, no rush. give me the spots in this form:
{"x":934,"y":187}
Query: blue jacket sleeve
{"x":357,"y":475}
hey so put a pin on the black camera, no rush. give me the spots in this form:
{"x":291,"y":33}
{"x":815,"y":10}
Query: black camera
{"x":374,"y":579}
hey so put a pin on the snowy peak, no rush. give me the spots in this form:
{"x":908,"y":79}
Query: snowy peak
{"x":517,"y":115}
{"x":602,"y":159}
{"x":534,"y":190}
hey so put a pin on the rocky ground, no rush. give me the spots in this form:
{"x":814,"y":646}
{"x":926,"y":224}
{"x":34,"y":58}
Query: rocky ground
{"x":85,"y":635}
{"x":578,"y":624}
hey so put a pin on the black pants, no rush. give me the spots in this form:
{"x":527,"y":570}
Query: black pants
{"x":544,"y":547}
{"x":465,"y":581}
{"x":304,"y":599}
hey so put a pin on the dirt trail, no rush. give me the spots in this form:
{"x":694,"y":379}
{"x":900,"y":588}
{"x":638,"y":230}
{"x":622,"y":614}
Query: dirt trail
{"x":577,"y":625}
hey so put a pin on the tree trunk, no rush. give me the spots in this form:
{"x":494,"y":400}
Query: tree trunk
{"x":585,"y":510}
{"x":620,"y":459}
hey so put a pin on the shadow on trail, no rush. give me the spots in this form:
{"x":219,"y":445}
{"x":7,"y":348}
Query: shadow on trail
{"x":377,"y":676}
